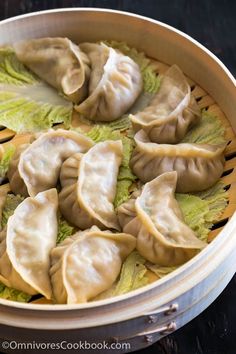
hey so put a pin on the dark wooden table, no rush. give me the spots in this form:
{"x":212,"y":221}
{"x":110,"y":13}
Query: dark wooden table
{"x":213,"y":23}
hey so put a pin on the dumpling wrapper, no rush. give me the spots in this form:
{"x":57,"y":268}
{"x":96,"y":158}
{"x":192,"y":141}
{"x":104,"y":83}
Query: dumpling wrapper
{"x":156,"y":220}
{"x":115,"y":83}
{"x":88,"y":263}
{"x":17,"y":184}
{"x":25,"y":248}
{"x":59,"y":62}
{"x":199,"y":166}
{"x":36,"y":167}
{"x":89,"y":186}
{"x":171,"y":112}
{"x":3,"y":197}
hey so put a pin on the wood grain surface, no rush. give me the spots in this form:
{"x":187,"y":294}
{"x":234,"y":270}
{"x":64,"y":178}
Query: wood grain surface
{"x":212,"y":23}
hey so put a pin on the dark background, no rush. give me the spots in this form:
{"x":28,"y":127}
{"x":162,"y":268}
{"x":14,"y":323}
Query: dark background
{"x":212,"y":23}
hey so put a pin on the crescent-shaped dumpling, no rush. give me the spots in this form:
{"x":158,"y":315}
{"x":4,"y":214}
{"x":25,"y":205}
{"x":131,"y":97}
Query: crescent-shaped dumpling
{"x":36,"y":167}
{"x":88,"y":263}
{"x":156,"y":220}
{"x":115,"y":83}
{"x":59,"y":62}
{"x":89,"y":186}
{"x":198,"y":166}
{"x":171,"y":112}
{"x":26,"y":245}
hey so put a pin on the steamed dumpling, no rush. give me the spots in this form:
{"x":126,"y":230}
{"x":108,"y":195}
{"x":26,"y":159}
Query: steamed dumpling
{"x":172,"y":111}
{"x":115,"y":83}
{"x":17,"y":184}
{"x":156,"y":220}
{"x":88,"y":263}
{"x":59,"y":62}
{"x":36,"y":167}
{"x":26,"y":245}
{"x":199,"y":166}
{"x":89,"y":186}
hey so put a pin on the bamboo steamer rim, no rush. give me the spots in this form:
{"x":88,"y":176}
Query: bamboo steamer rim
{"x":205,"y":101}
{"x":71,"y":318}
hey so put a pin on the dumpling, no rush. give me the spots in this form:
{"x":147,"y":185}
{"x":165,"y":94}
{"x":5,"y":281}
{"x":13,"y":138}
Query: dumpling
{"x":17,"y":184}
{"x":171,"y":112}
{"x":199,"y":166}
{"x":88,"y":263}
{"x":36,"y":167}
{"x":156,"y":220}
{"x":25,"y":248}
{"x":89,"y":186}
{"x":127,"y":214}
{"x":59,"y":62}
{"x":115,"y":83}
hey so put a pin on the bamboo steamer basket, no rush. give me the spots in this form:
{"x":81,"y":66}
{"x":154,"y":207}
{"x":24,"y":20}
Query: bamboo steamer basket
{"x":145,"y":315}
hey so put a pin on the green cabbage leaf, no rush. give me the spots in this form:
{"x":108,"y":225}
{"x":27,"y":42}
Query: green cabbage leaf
{"x":160,"y":271}
{"x":5,"y":161}
{"x":202,"y":209}
{"x":133,"y":274}
{"x":13,"y":294}
{"x":11,"y":203}
{"x":64,"y":230}
{"x":26,"y":103}
{"x":209,"y":131}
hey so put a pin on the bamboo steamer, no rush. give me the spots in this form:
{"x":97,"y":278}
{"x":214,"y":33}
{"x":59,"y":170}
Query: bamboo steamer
{"x":135,"y":320}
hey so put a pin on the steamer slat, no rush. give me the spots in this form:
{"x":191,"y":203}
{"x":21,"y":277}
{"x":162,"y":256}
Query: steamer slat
{"x":229,"y":179}
{"x":5,"y":187}
{"x":213,"y":234}
{"x":198,"y":92}
{"x":205,"y":101}
{"x":229,"y":211}
{"x":6,"y":134}
{"x":18,"y":140}
{"x":232,"y":193}
{"x":230,"y":164}
{"x":231,"y":148}
{"x":215,"y":110}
